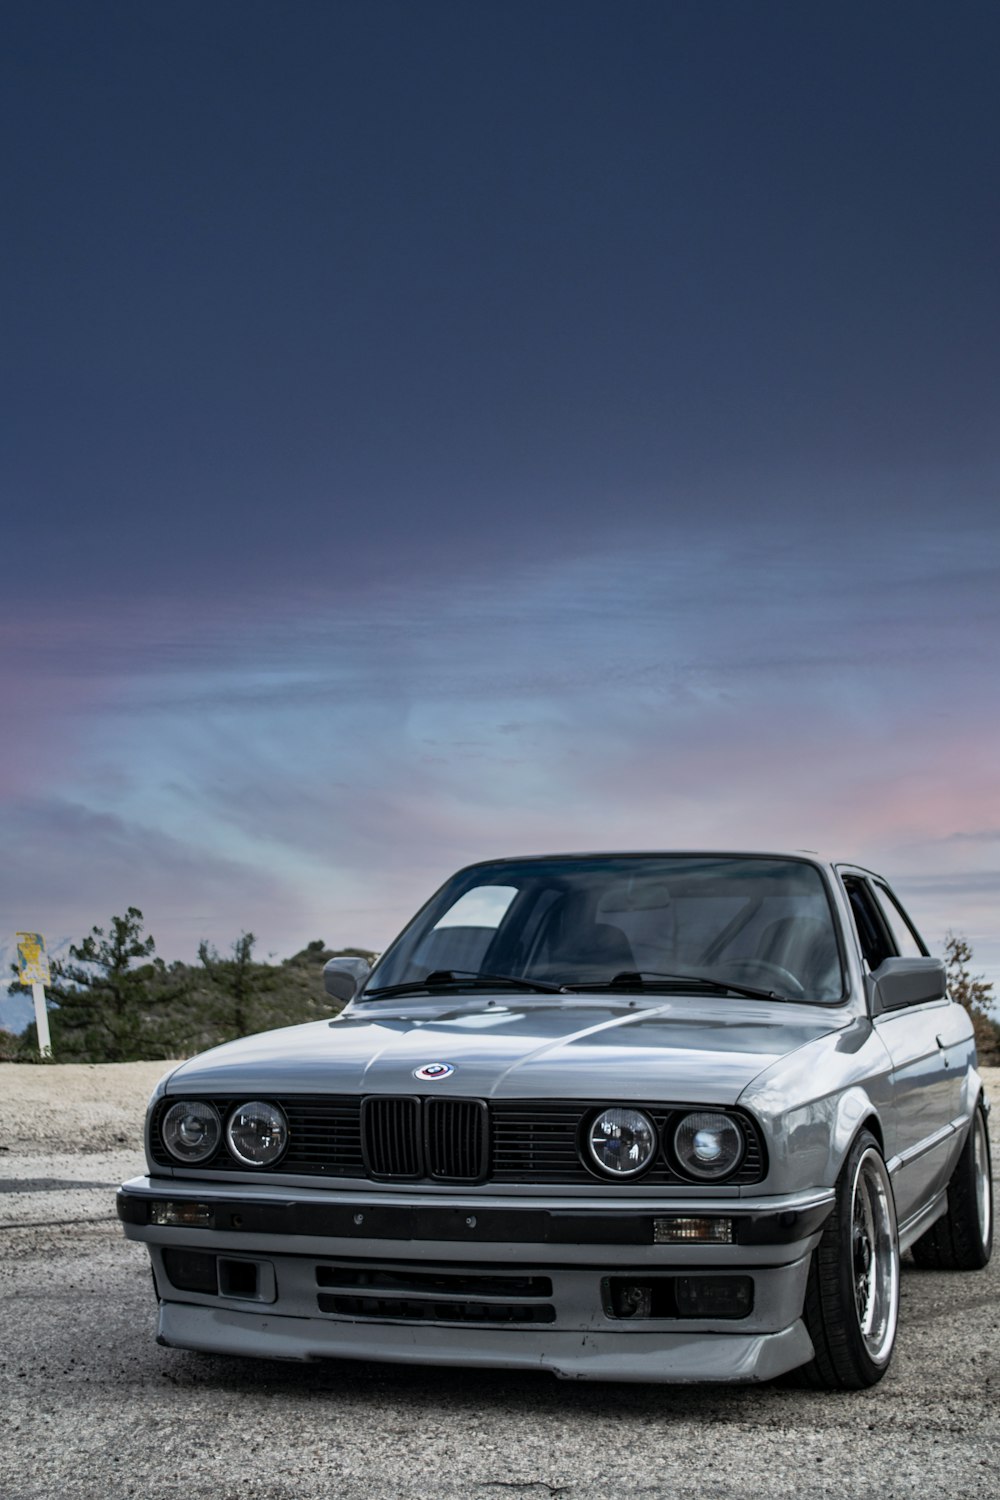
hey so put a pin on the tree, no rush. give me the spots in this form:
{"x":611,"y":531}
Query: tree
{"x":11,"y":1047}
{"x":101,"y":998}
{"x":975,"y":993}
{"x":239,"y":980}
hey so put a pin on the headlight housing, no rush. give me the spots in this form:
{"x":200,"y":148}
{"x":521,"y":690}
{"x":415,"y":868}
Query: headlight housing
{"x":709,"y":1145}
{"x":621,"y":1142}
{"x":191,"y":1130}
{"x":257,"y":1133}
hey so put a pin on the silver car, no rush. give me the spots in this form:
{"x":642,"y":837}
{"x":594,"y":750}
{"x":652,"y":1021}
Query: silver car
{"x":649,"y":1117}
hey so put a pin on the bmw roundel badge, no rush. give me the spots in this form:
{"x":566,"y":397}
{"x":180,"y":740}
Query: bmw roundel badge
{"x":432,"y":1072}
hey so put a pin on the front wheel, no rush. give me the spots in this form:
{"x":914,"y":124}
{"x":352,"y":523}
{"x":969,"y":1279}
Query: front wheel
{"x":852,"y":1296}
{"x":962,"y":1239}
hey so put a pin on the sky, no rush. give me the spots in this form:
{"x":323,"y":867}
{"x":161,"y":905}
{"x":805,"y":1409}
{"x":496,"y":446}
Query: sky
{"x":436,"y":431}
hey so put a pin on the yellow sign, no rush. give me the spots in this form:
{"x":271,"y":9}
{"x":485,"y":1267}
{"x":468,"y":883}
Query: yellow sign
{"x":31,"y":957}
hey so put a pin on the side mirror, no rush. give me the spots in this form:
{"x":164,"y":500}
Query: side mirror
{"x":343,"y":977}
{"x":907,"y":981}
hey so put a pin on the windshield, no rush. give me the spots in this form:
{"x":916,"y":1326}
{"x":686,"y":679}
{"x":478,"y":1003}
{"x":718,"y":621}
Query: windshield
{"x":761,"y":922}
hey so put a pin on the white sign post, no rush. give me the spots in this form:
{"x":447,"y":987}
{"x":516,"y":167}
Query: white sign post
{"x":33,"y":964}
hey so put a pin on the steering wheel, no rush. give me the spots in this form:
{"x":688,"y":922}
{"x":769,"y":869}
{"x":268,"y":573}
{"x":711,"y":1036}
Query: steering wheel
{"x":749,"y":970}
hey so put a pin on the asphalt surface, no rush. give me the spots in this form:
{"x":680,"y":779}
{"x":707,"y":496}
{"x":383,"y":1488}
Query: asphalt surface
{"x":91,"y":1407}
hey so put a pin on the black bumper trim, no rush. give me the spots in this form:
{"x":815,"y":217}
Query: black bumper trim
{"x":512,"y":1226}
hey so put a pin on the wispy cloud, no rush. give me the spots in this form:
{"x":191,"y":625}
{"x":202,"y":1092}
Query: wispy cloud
{"x":69,"y":867}
{"x":984,"y":836}
{"x":976,"y":883}
{"x":315,"y":768}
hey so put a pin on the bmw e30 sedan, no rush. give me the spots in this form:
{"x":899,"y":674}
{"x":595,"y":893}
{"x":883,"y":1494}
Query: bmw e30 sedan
{"x":648,"y":1117}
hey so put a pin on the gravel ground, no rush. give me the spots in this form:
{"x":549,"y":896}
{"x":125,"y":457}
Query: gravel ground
{"x":91,"y":1407}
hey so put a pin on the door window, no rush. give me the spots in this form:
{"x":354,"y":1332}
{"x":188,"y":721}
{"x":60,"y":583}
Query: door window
{"x":908,"y":945}
{"x":872,"y":931}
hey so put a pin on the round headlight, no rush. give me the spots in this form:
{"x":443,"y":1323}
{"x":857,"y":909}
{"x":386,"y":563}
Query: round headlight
{"x":257,"y":1133}
{"x":622,"y":1142}
{"x":191,"y":1130}
{"x":709,"y":1145}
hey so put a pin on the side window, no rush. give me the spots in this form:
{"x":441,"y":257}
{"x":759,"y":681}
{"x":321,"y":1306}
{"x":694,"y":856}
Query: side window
{"x":908,"y":945}
{"x":871,"y":928}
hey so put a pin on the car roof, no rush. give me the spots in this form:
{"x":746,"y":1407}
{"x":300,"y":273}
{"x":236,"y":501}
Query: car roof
{"x":805,"y":856}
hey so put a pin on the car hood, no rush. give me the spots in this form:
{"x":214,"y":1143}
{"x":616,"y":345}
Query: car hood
{"x":692,"y":1050}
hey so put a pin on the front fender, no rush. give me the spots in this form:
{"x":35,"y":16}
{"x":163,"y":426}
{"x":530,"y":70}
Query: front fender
{"x":809,"y":1143}
{"x":812,"y":1104}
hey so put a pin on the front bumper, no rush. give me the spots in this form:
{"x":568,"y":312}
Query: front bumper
{"x":477,"y":1282}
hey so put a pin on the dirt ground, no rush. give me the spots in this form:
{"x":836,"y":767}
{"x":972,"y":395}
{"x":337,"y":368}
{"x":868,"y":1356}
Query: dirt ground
{"x":75,"y":1106}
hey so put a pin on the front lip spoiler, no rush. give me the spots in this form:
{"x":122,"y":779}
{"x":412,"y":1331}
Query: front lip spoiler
{"x":758,"y":1225}
{"x":630,"y":1354}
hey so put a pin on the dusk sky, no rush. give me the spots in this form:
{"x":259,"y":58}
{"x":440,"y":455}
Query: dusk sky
{"x":435,"y":431}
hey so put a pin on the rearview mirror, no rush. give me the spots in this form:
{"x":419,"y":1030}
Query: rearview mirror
{"x":907,"y":981}
{"x":343,"y":977}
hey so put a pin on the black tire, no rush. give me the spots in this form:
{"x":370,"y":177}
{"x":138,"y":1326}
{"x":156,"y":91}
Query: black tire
{"x":852,"y":1296}
{"x":962,"y":1240}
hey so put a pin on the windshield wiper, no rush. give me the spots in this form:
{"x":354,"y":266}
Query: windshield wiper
{"x":464,"y":979}
{"x":650,"y":979}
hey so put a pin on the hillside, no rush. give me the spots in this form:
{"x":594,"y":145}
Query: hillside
{"x":157,"y":1010}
